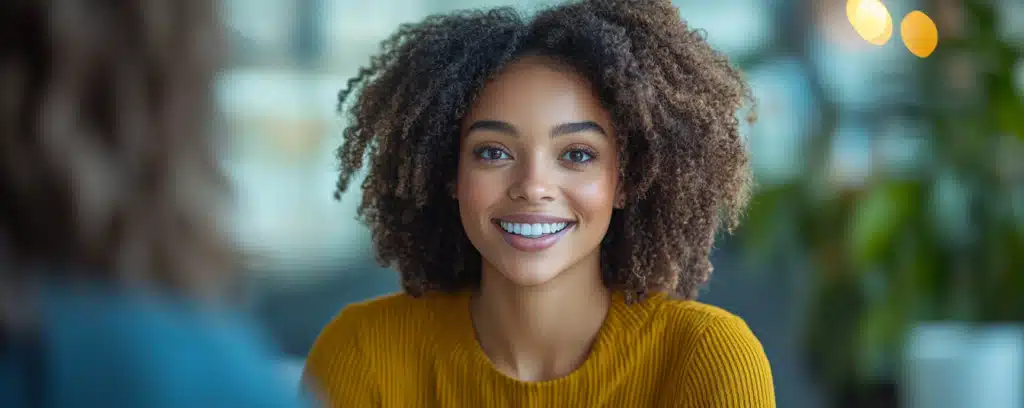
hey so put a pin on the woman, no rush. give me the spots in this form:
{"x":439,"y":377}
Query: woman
{"x":111,"y":265}
{"x":549,"y":190}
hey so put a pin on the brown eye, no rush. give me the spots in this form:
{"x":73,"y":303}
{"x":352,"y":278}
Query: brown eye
{"x":578,"y":156}
{"x":491,"y":154}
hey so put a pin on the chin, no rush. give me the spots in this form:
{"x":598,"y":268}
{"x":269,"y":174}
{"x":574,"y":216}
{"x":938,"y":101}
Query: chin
{"x":527,"y":274}
{"x":528,"y":279}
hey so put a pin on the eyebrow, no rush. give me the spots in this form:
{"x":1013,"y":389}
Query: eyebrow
{"x":563,"y":129}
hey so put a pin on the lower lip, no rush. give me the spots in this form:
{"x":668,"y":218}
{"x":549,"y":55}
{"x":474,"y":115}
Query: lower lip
{"x":533,"y":244}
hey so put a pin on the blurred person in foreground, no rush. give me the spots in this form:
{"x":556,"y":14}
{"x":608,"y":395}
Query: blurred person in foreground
{"x":113,"y":271}
{"x":549,"y":190}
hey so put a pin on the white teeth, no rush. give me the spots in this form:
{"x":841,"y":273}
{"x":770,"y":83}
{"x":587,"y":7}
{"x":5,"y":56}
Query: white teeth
{"x":532,"y":230}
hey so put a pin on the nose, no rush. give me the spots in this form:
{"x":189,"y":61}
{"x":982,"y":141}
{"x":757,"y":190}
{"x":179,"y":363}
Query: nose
{"x":534,"y":182}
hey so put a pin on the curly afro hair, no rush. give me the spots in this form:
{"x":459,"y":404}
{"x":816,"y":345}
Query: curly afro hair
{"x":672,"y":98}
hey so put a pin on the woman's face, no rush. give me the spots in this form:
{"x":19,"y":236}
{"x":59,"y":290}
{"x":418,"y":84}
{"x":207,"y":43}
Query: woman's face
{"x":538,"y":173}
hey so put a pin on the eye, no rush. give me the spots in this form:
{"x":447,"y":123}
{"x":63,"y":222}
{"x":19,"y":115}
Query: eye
{"x":490,"y":153}
{"x":578,"y":156}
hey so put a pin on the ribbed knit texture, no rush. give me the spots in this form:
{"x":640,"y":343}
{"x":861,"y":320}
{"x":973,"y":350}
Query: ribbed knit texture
{"x":399,"y":351}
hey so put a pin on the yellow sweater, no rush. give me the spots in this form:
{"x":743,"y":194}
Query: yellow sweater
{"x":399,"y":351}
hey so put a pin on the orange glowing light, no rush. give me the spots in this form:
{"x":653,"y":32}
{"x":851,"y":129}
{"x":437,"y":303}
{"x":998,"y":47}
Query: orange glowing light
{"x":919,"y":33}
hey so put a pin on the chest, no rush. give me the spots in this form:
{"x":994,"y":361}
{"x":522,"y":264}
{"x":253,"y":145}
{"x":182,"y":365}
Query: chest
{"x":464,"y":381}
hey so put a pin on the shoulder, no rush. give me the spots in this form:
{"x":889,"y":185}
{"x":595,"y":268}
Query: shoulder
{"x":351,"y":356}
{"x":691,"y":315}
{"x":697,"y":322}
{"x":722,"y":362}
{"x":140,"y":350}
{"x":386,"y":317}
{"x":706,"y":329}
{"x":395,"y":306}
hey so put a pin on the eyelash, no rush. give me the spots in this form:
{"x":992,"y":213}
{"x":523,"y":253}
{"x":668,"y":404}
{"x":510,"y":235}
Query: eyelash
{"x":479,"y":153}
{"x":582,"y":149}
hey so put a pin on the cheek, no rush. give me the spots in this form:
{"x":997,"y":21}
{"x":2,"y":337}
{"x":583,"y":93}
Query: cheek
{"x":476,"y":190}
{"x":596,"y":197}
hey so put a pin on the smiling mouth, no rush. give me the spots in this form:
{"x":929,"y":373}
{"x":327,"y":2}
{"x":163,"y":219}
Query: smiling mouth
{"x":533,"y":230}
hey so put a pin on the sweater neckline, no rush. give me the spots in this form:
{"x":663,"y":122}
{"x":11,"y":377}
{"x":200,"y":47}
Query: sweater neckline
{"x":620,"y":319}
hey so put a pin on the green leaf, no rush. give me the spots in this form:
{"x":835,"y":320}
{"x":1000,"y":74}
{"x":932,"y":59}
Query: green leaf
{"x":767,"y":217}
{"x":878,"y":218}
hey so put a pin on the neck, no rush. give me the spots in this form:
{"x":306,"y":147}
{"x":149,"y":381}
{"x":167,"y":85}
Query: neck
{"x":542,"y":332}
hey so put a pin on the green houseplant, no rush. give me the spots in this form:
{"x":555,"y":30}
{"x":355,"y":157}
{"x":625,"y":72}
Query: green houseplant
{"x":942,"y":240}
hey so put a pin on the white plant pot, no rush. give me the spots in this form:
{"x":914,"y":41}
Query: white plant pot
{"x":958,"y":365}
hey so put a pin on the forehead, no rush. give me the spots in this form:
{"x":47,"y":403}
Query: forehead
{"x":539,"y":91}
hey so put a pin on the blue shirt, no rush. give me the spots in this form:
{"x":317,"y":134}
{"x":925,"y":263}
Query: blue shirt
{"x":106,"y":349}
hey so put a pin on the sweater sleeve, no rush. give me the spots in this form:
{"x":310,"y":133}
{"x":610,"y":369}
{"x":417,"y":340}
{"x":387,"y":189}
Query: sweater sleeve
{"x":339,"y":372}
{"x":727,"y":368}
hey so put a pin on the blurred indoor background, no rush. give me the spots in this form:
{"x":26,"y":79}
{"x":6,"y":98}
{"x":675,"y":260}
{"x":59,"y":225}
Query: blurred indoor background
{"x":881,"y":263}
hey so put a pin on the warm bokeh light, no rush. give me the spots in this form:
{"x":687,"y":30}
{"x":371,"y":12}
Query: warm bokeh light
{"x":919,"y":33}
{"x":883,"y":38}
{"x":870,"y":19}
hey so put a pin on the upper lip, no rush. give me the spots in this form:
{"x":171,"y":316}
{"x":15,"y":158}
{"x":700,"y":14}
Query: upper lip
{"x":533,"y":218}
